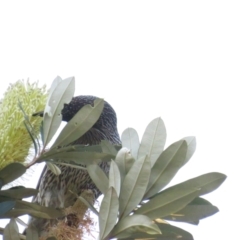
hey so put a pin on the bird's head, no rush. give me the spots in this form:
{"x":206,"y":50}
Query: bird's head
{"x":107,"y":122}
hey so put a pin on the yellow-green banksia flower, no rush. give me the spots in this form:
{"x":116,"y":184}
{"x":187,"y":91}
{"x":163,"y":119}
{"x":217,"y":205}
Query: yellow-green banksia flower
{"x":15,"y":140}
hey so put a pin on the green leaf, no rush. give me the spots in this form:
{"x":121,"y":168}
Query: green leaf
{"x":5,"y":199}
{"x":153,"y":140}
{"x":33,"y":209}
{"x":83,"y":158}
{"x":134,"y":224}
{"x":32,"y":233}
{"x":168,"y":201}
{"x":206,"y":183}
{"x":72,"y":165}
{"x":191,"y":142}
{"x":29,"y":129}
{"x":42,"y":132}
{"x":115,"y":177}
{"x":54,"y":168}
{"x":19,"y":193}
{"x":20,"y":221}
{"x":81,"y":149}
{"x":86,"y":117}
{"x":108,"y":212}
{"x":166,"y":166}
{"x":6,"y":206}
{"x":61,"y":92}
{"x":72,"y":148}
{"x":193,"y":213}
{"x":11,"y":172}
{"x":169,"y":232}
{"x":11,"y":231}
{"x":199,"y":201}
{"x":178,"y":196}
{"x":196,"y":210}
{"x":107,"y":147}
{"x":130,"y":140}
{"x":32,"y":137}
{"x":88,"y":204}
{"x":124,"y":160}
{"x":134,"y":186}
{"x":99,"y":177}
{"x":1,"y":183}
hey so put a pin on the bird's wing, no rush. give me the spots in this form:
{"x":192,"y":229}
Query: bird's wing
{"x":93,"y":136}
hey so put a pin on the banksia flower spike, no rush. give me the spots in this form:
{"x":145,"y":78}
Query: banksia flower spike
{"x":15,"y":140}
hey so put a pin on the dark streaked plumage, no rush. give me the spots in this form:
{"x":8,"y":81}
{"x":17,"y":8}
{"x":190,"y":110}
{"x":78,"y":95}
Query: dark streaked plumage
{"x":54,"y":190}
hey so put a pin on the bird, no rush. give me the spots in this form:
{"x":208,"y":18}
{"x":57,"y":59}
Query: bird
{"x":53,"y":189}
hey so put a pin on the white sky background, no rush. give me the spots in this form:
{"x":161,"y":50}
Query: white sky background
{"x":174,"y":59}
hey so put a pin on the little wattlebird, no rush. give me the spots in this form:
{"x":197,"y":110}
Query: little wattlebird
{"x":54,"y":190}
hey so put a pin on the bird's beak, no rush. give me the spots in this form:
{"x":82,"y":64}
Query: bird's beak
{"x":38,"y":114}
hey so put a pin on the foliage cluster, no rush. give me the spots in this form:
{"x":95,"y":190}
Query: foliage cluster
{"x":136,"y":202}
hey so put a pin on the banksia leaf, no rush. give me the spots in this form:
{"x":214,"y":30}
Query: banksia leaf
{"x":80,"y":154}
{"x":206,"y":182}
{"x":173,"y":233}
{"x":114,"y":177}
{"x":15,"y":141}
{"x":88,"y":202}
{"x":83,"y":158}
{"x":168,"y":201}
{"x":11,"y":231}
{"x":134,"y":224}
{"x":130,"y":140}
{"x":191,"y":142}
{"x":18,"y":192}
{"x":80,"y":123}
{"x":33,"y":209}
{"x":166,"y":166}
{"x":61,"y":92}
{"x":169,"y":232}
{"x":108,"y":212}
{"x":173,"y":199}
{"x":196,"y":210}
{"x":134,"y":186}
{"x":11,"y":172}
{"x":124,"y":161}
{"x":32,"y":233}
{"x":6,"y":206}
{"x":99,"y":177}
{"x":54,"y":168}
{"x":192,"y":213}
{"x":107,"y":147}
{"x":21,"y":222}
{"x":153,"y":140}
